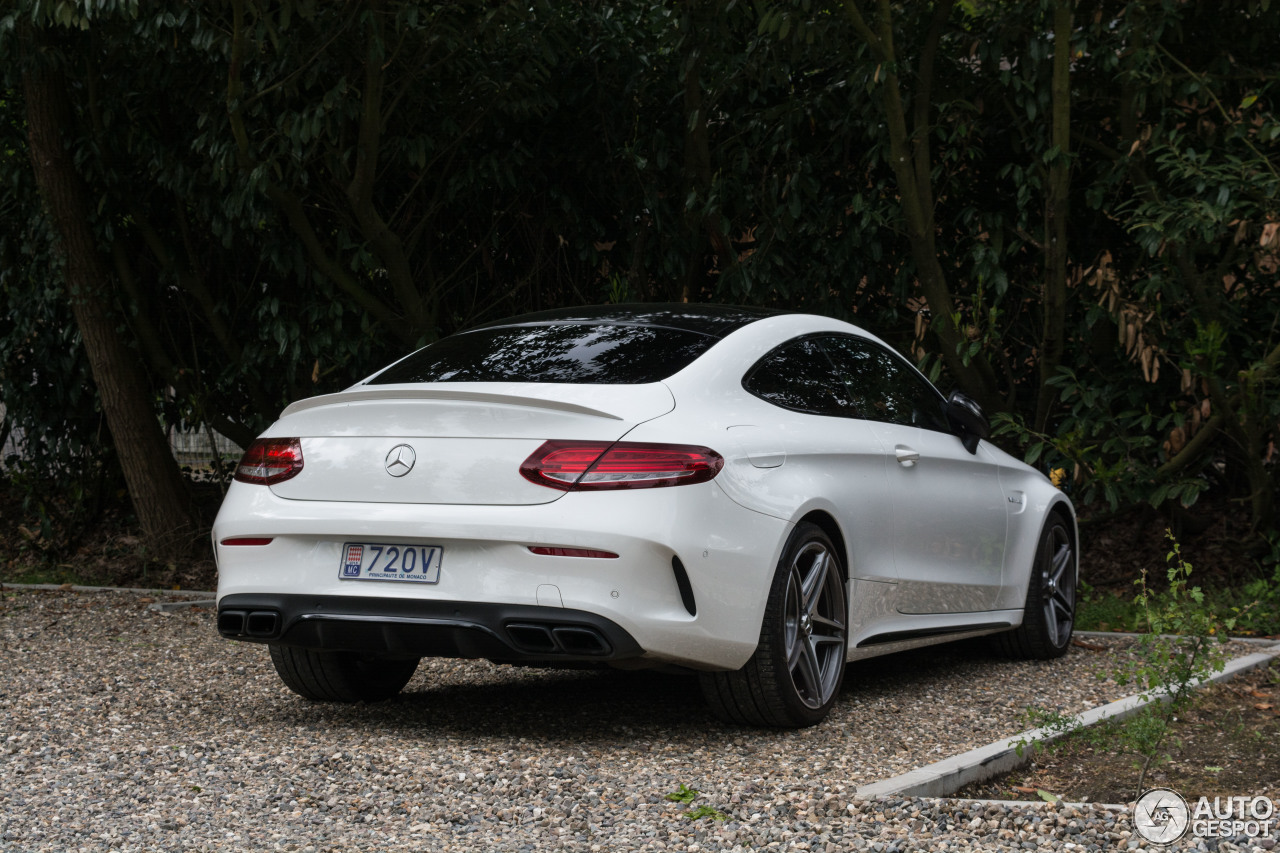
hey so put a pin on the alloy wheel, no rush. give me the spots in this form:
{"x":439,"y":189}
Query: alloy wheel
{"x":1058,"y":586}
{"x":814,"y":624}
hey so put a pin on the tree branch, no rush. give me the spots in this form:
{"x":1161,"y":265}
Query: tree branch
{"x":864,"y":31}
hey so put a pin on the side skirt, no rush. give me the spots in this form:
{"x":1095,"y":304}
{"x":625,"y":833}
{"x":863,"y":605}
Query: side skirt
{"x":884,"y":644}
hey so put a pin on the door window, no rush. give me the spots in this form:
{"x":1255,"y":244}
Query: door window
{"x":882,"y":386}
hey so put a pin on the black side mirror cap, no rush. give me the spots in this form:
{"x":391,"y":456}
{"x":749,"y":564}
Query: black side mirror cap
{"x":967,"y":420}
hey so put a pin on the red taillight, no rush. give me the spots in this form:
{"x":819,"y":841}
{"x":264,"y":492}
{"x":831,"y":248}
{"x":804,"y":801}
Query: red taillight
{"x":247,"y":540}
{"x":270,"y":460}
{"x":575,"y":466}
{"x":573,"y":552}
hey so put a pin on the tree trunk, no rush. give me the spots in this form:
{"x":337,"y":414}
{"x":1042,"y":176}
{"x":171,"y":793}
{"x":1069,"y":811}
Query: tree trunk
{"x":151,"y":473}
{"x":1054,"y":304}
{"x":912,"y":167}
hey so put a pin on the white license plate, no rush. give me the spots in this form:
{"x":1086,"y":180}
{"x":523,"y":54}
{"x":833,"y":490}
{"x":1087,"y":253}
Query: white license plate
{"x":378,"y":561}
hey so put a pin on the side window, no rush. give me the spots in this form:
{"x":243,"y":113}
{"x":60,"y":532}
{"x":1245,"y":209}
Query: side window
{"x":882,"y":387}
{"x":800,"y":376}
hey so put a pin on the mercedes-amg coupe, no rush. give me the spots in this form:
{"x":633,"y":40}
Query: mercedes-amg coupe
{"x":757,"y":497}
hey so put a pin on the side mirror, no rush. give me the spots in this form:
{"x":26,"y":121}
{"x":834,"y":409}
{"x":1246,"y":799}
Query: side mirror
{"x":967,"y":420}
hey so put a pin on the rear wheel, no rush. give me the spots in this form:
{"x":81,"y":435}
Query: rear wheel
{"x":1048,"y":619}
{"x":340,"y":676}
{"x":794,"y":676}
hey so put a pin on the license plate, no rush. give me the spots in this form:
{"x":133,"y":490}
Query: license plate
{"x":377,"y":561}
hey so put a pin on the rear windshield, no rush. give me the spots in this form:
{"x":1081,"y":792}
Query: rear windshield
{"x":572,"y":353}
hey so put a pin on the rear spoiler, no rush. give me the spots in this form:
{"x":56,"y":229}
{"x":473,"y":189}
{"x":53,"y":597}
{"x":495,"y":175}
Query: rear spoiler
{"x":385,"y":392}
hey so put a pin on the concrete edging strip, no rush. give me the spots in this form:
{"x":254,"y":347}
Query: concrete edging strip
{"x":171,"y":606}
{"x":943,"y":778}
{"x":136,"y":590}
{"x":1256,"y":641}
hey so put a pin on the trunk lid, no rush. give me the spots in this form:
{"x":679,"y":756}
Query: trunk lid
{"x":449,"y":443}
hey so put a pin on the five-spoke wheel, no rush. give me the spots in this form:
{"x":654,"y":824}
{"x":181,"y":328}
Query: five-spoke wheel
{"x":1058,"y":586}
{"x":794,"y":677}
{"x":814,"y":624}
{"x":1049,"y":615}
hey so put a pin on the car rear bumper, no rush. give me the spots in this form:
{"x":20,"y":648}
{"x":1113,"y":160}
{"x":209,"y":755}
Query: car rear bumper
{"x":688,"y":586}
{"x":409,"y":628}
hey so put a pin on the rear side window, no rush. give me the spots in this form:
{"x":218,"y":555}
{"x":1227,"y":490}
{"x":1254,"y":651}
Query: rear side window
{"x":588,"y":354}
{"x":799,"y":376}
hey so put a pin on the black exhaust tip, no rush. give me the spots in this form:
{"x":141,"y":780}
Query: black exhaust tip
{"x":231,"y":623}
{"x":580,"y":641}
{"x":532,"y":638}
{"x":262,"y":623}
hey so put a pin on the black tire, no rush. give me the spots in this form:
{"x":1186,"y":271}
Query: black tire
{"x":794,"y":677}
{"x":1048,"y":619}
{"x":340,"y":676}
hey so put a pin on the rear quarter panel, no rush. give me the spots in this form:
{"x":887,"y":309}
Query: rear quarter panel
{"x":1039,"y":498}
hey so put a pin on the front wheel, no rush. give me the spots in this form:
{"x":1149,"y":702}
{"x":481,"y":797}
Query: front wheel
{"x":1049,"y":615}
{"x":340,"y":676}
{"x":794,"y":676}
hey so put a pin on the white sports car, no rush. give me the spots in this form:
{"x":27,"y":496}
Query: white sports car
{"x":755,"y":496}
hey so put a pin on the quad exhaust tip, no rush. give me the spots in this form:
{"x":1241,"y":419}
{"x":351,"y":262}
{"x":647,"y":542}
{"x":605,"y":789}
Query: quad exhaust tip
{"x":248,"y":623}
{"x":540,"y":638}
{"x":552,"y":639}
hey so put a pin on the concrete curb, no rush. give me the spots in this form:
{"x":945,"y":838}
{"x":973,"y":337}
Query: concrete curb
{"x":136,"y":590}
{"x":1061,"y":804}
{"x":1257,"y":641}
{"x":943,"y":778}
{"x":171,"y":606}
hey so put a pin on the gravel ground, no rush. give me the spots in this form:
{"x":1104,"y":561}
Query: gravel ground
{"x":126,"y":729}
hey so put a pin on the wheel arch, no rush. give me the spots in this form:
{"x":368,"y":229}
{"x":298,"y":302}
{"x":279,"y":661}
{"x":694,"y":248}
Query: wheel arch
{"x":1036,"y":636}
{"x":1044,"y":506}
{"x":827,"y":523}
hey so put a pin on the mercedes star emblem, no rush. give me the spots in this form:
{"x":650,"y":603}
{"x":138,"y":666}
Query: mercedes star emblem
{"x":400,"y":460}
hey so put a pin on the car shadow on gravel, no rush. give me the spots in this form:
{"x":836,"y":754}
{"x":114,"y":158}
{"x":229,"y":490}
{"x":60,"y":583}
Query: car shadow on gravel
{"x":476,"y":698}
{"x":552,"y":704}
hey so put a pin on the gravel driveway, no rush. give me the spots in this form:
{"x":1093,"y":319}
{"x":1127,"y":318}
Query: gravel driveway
{"x":126,"y":729}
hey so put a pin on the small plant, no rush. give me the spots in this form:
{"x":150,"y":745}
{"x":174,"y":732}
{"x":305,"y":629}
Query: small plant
{"x":1051,"y":725}
{"x":706,"y":811}
{"x":682,"y":794}
{"x":686,"y":795}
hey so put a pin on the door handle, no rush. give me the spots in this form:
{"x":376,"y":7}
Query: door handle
{"x":907,"y":457}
